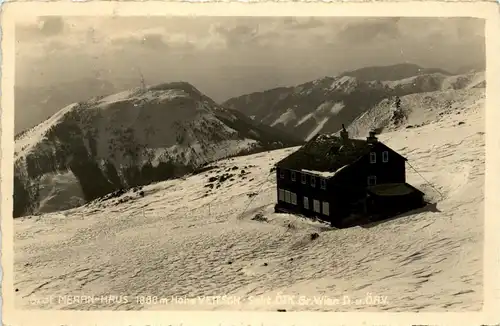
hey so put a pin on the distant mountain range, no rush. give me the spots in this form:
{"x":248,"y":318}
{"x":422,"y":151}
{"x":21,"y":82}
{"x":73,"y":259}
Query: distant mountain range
{"x":91,"y":148}
{"x":323,"y":105}
{"x":136,"y":137}
{"x":41,"y":101}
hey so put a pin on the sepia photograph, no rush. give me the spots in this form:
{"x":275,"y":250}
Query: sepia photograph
{"x":249,"y":163}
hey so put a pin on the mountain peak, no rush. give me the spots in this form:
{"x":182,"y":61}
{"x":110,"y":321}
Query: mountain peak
{"x":131,"y":138}
{"x":177,"y":85}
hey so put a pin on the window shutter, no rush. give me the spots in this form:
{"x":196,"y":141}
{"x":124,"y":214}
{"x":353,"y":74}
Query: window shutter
{"x":281,"y":195}
{"x":326,"y":208}
{"x":317,"y":207}
{"x":385,"y":156}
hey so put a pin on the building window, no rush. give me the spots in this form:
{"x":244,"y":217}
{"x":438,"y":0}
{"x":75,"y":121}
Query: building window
{"x":292,"y":175}
{"x":282,"y":174}
{"x":316,"y":206}
{"x":294,"y":198}
{"x":373,"y":157}
{"x":287,"y":196}
{"x":385,"y":156}
{"x":281,"y":195}
{"x":303,"y":178}
{"x":306,"y":203}
{"x":326,"y":208}
{"x":372,"y":180}
{"x":313,"y":181}
{"x":323,"y":183}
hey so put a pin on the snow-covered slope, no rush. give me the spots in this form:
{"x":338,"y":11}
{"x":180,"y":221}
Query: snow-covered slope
{"x":127,"y":139}
{"x":416,"y":110}
{"x":215,"y":233}
{"x":323,"y":105}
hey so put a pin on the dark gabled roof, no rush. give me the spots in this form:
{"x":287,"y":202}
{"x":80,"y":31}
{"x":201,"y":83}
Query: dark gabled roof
{"x":393,"y":189}
{"x":327,"y":153}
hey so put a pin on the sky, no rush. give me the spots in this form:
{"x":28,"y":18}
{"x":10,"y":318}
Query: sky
{"x":230,"y":56}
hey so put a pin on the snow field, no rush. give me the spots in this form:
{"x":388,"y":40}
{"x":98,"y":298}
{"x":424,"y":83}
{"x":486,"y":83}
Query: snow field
{"x":183,"y":239}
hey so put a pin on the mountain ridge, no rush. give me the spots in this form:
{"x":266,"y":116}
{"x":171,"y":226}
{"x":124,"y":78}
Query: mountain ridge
{"x":131,"y":138}
{"x":324,"y":104}
{"x":392,"y":72}
{"x":149,"y":134}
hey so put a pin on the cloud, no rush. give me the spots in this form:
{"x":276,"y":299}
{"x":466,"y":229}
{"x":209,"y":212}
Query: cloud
{"x":43,"y":27}
{"x":237,"y":35}
{"x":50,"y":26}
{"x":297,"y":23}
{"x":368,"y":30}
{"x":227,"y":56}
{"x":152,"y":41}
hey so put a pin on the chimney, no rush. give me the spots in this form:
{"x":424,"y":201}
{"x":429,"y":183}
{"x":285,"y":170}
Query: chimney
{"x":344,"y":134}
{"x":371,"y":137}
